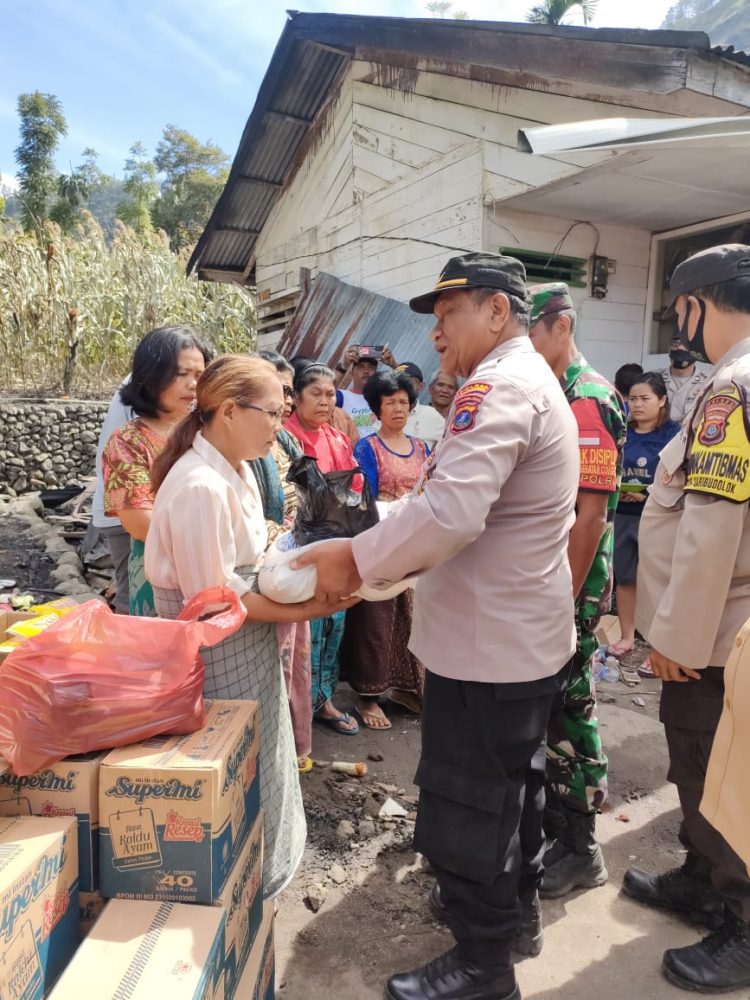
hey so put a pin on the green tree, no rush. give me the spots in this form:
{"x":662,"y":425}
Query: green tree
{"x":42,"y":125}
{"x":194,"y":176}
{"x":554,"y":11}
{"x":72,"y":192}
{"x":141,"y":189}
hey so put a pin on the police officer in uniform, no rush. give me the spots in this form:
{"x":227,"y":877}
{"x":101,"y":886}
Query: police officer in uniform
{"x":693,"y":598}
{"x":487,"y":530}
{"x":576,"y":763}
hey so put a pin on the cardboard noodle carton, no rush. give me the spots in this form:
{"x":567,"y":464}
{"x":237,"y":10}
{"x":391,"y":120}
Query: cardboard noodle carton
{"x":147,"y":950}
{"x":38,"y":903}
{"x":68,"y":788}
{"x":7,"y":619}
{"x":242,"y":899}
{"x":175,"y":811}
{"x":258,"y":979}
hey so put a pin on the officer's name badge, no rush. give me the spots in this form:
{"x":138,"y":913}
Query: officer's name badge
{"x":719,"y":460}
{"x":468,"y":400}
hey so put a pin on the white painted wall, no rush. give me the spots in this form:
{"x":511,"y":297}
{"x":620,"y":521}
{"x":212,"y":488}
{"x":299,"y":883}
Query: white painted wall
{"x":610,"y":330}
{"x":394,"y":168}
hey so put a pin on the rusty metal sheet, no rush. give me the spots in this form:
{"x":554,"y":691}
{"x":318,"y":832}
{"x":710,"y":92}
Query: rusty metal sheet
{"x":331,"y":315}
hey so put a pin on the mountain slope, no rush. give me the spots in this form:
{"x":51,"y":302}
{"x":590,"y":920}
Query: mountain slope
{"x":727,"y":22}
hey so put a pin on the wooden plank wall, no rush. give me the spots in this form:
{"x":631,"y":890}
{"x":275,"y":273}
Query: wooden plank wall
{"x":610,"y":331}
{"x":397,"y":171}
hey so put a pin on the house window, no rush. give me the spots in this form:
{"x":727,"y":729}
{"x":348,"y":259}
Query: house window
{"x":671,"y":251}
{"x":543,"y":267}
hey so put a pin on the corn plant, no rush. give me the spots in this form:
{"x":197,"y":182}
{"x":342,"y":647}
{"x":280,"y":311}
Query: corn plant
{"x":73,"y":308}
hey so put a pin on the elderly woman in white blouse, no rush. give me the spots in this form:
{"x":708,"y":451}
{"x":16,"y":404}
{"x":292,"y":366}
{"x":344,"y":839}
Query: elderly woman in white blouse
{"x":208,"y":529}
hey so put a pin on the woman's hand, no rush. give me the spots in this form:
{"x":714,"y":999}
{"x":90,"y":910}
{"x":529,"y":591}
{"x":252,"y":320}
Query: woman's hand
{"x":633,"y":497}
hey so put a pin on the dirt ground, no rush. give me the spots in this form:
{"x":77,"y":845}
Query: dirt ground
{"x":375,"y":921}
{"x":373,"y":918}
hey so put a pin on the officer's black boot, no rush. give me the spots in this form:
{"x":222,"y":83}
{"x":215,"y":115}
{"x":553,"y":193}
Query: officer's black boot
{"x":575,"y":860}
{"x":530,"y":937}
{"x":686,"y":891}
{"x":455,"y":977}
{"x":717,"y":964}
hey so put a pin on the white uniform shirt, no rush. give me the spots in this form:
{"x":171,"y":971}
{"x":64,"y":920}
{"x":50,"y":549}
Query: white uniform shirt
{"x":487,"y":527}
{"x":682,"y":393}
{"x":207,"y":521}
{"x":426,"y":424}
{"x":359,"y":410}
{"x":117,"y":416}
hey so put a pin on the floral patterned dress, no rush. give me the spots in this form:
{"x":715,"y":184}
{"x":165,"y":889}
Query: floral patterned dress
{"x":374,"y":653}
{"x":126,"y":468}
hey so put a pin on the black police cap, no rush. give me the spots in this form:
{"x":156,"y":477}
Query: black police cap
{"x":475,"y":270}
{"x":711,"y":267}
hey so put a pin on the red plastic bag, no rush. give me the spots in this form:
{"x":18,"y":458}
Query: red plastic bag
{"x":96,"y":680}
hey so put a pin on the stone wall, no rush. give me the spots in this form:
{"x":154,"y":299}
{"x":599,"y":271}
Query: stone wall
{"x":47,"y":443}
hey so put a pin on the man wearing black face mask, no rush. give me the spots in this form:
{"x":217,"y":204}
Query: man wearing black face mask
{"x":683,"y":381}
{"x":693,"y":598}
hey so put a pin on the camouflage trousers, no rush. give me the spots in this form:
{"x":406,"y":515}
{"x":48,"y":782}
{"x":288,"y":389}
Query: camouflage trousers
{"x":576,"y":764}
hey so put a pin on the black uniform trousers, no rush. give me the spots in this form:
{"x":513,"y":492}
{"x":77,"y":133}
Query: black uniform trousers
{"x":690,"y":713}
{"x":482,"y":746}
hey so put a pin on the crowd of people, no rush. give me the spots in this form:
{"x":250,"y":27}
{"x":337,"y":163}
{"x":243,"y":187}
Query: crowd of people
{"x":519,"y":497}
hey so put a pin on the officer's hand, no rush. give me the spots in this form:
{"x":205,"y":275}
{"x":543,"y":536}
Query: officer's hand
{"x":337,"y":575}
{"x":669,"y":670}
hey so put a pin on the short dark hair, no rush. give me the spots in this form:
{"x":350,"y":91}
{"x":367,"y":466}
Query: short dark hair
{"x":520,"y":308}
{"x":387,"y":384}
{"x":550,"y":318}
{"x":655,"y":381}
{"x":154,"y":366}
{"x":307,"y":370}
{"x":279,"y":362}
{"x":626,"y":375}
{"x":727,"y":296}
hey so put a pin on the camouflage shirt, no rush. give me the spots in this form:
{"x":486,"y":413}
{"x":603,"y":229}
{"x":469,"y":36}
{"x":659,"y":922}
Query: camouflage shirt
{"x":602,"y":426}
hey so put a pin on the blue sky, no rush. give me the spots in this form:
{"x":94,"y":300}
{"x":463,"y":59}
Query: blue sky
{"x":124,"y":69}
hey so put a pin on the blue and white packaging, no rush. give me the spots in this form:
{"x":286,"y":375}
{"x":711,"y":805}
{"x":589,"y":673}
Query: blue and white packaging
{"x":242,"y":899}
{"x":147,"y":950}
{"x":258,"y":980}
{"x":175,"y":811}
{"x":38,"y":903}
{"x":67,"y":788}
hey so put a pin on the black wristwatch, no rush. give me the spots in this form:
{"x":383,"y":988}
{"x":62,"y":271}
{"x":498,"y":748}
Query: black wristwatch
{"x":341,"y":369}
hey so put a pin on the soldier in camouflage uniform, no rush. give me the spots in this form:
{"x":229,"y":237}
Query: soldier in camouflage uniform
{"x":576,"y":764}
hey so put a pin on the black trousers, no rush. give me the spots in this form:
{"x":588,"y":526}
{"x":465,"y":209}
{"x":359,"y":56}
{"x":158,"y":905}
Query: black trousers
{"x":690,"y":713}
{"x":481,"y":773}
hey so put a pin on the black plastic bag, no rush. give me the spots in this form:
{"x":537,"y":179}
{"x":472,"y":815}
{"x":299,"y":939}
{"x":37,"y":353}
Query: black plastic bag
{"x":330,"y":504}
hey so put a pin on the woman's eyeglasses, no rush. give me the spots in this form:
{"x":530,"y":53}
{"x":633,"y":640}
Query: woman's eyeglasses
{"x":288,"y":391}
{"x":275,"y":415}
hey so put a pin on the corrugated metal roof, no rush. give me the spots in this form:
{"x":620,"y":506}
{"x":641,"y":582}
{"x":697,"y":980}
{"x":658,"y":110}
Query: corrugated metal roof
{"x":729,"y":52}
{"x":312,"y":51}
{"x":331,"y":315}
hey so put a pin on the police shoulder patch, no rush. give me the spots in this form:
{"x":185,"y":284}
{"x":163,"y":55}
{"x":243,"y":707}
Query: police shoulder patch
{"x":466,"y":405}
{"x":719,"y":460}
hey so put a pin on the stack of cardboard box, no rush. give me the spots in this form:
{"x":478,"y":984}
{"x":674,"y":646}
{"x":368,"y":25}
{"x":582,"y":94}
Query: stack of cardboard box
{"x":171,"y":833}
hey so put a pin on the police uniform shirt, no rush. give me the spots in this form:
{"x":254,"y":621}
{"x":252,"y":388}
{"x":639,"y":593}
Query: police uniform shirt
{"x":488,"y":526}
{"x":682,"y":393}
{"x":693,"y":591}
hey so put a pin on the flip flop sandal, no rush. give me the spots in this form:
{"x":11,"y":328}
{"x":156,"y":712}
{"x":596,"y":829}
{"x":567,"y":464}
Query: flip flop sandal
{"x":364,"y":716}
{"x":304,"y":765}
{"x":645,"y":669}
{"x":338,"y":724}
